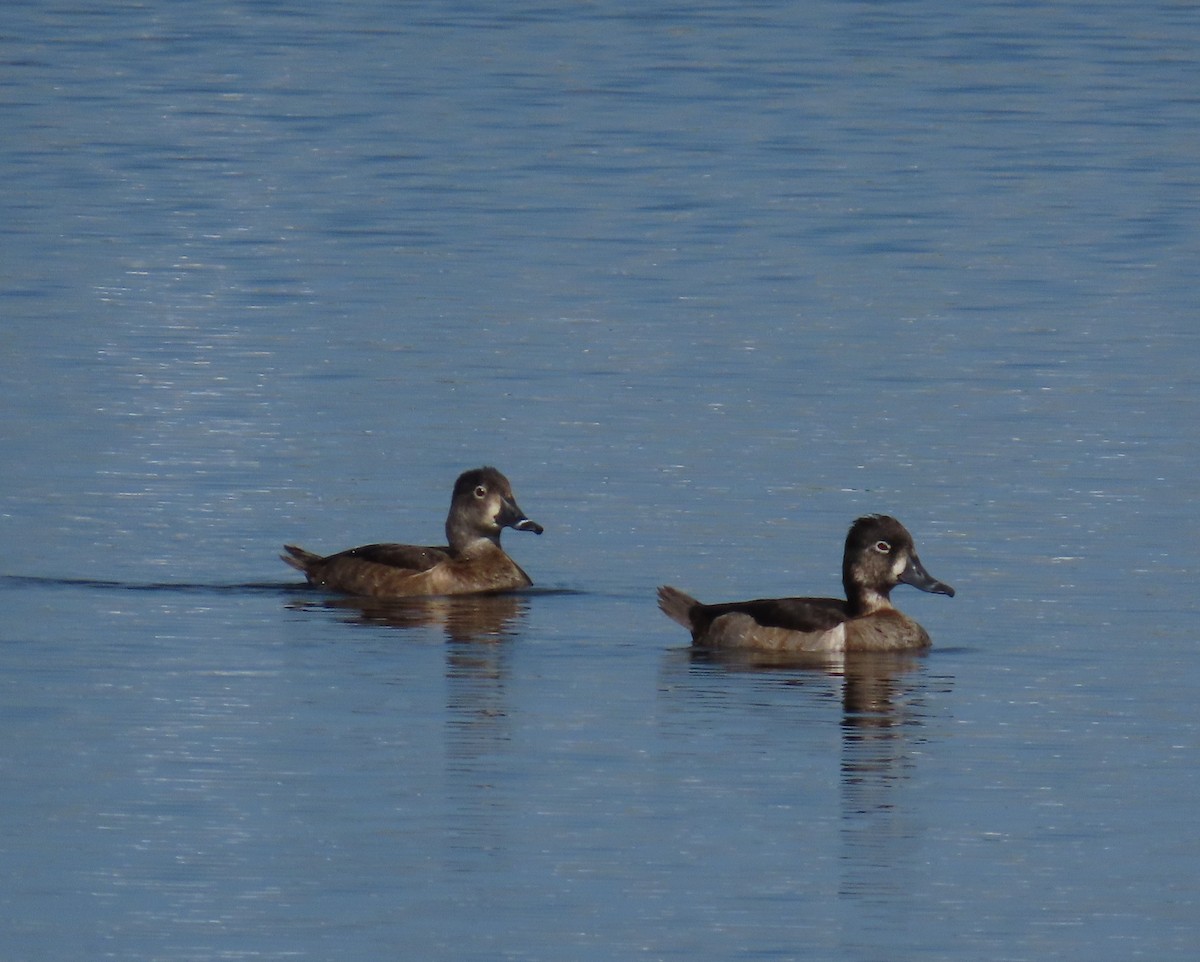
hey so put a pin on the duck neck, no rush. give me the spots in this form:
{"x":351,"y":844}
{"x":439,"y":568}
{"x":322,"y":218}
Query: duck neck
{"x":462,"y":538}
{"x":863,"y":600}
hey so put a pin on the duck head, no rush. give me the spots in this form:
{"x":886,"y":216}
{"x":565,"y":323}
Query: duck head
{"x":879,"y":555}
{"x":482,"y":506}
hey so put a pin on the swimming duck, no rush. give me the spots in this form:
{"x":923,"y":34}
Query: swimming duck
{"x":879,"y":555}
{"x":472,"y":562}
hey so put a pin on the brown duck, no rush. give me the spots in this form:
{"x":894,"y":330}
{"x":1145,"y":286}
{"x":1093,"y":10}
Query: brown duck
{"x":471,"y":563}
{"x":879,"y":555}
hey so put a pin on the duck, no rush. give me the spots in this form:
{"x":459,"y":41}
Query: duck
{"x":472,"y":561}
{"x":879,"y":555}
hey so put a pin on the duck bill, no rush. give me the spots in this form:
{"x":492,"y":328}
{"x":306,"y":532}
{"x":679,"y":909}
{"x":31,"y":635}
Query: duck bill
{"x":511,"y":516}
{"x":914,"y":574}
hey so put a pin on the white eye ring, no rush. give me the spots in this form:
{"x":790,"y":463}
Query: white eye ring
{"x":481,"y":492}
{"x":883,"y":547}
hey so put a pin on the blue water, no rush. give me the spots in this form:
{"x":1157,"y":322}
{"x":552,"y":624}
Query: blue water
{"x":706,"y":282}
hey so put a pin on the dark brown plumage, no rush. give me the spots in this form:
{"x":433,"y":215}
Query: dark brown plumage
{"x":879,"y":554}
{"x":472,"y":561}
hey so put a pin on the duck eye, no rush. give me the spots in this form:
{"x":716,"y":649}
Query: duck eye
{"x":882,"y":547}
{"x":481,"y":492}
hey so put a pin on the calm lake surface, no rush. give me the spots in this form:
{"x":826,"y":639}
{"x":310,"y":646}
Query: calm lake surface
{"x":706,"y":281}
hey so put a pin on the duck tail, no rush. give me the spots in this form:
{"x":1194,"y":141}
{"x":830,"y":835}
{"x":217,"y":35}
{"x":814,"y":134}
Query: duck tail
{"x":298,"y":558}
{"x":677,"y":605}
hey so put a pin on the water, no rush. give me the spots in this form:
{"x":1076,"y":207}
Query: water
{"x":706,"y":282}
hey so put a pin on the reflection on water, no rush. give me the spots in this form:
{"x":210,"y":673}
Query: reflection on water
{"x":880,"y":716}
{"x":478,"y":762}
{"x":475,"y":823}
{"x":885,"y":710}
{"x":463,"y":618}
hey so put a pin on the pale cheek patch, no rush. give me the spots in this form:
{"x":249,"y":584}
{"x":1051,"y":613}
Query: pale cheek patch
{"x":898,"y":566}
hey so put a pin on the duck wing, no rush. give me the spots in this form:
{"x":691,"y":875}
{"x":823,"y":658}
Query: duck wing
{"x":409,"y":557}
{"x":791,"y":614}
{"x":371,"y":570}
{"x":394,"y":559}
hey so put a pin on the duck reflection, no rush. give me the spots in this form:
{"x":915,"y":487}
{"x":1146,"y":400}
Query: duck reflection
{"x":874,"y":685}
{"x":880,"y":718}
{"x":884,"y":723}
{"x":477,"y":717}
{"x":884,"y":726}
{"x":463,"y":618}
